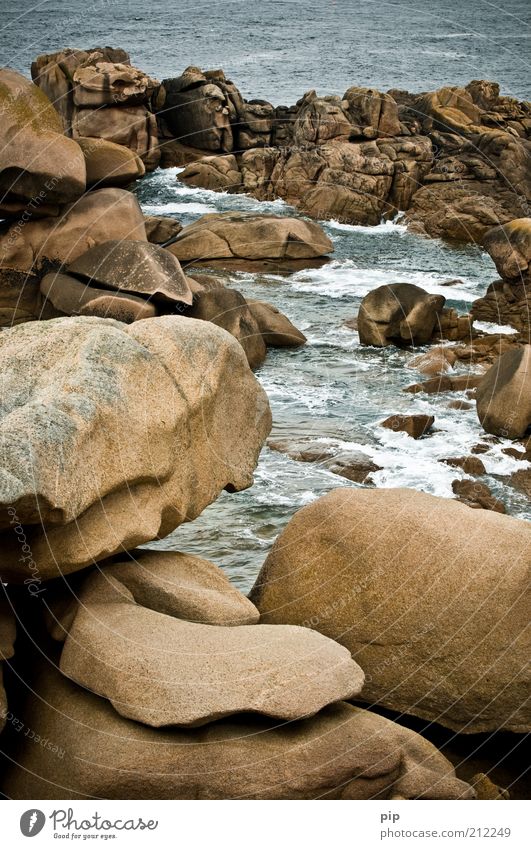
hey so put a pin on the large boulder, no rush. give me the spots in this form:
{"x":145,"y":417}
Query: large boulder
{"x":110,"y":164}
{"x":276,"y":329}
{"x":342,"y":753}
{"x":118,"y":434}
{"x":398,"y":314}
{"x":240,"y":235}
{"x":320,"y":119}
{"x":96,"y":217}
{"x":228,"y":309}
{"x":449,"y":109}
{"x":428,"y":595}
{"x":134,"y":127}
{"x":39,"y":166}
{"x":503,"y":396}
{"x":137,"y":267}
{"x":197,"y":111}
{"x":160,"y":670}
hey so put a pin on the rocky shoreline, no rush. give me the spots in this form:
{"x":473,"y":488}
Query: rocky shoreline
{"x":129,"y":405}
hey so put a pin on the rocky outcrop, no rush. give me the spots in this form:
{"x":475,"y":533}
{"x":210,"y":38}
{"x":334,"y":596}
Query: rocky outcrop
{"x":351,"y":464}
{"x":110,"y":164}
{"x":136,"y":267}
{"x":248,"y":236}
{"x":96,"y":217}
{"x":342,"y":753}
{"x":400,"y":314}
{"x":503,"y":396}
{"x":441,"y":637}
{"x":40,"y":169}
{"x":161,"y":670}
{"x":99,"y":94}
{"x":508,"y":301}
{"x":416,"y":425}
{"x":91,"y":381}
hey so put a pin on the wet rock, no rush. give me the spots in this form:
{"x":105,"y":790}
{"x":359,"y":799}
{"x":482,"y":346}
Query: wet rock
{"x":418,"y":588}
{"x":353,"y":465}
{"x":460,"y":405}
{"x":437,"y":360}
{"x":82,"y":491}
{"x":343,"y":752}
{"x":135,"y":267}
{"x":276,"y":328}
{"x":415,"y":425}
{"x":96,"y":217}
{"x":42,"y":168}
{"x":400,"y":313}
{"x":445,"y":383}
{"x":503,"y":396}
{"x":470,"y":465}
{"x":477,"y":495}
{"x":521,"y":480}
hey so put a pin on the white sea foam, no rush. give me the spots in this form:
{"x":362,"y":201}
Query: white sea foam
{"x":343,"y":278}
{"x":386,"y":228}
{"x":489,"y":327}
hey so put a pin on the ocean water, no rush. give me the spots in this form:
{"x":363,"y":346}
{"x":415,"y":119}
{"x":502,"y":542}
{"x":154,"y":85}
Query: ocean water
{"x":333,"y":389}
{"x":281,"y":48}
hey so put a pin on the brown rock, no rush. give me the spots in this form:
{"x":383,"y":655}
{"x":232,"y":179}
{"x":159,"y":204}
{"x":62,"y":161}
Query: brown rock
{"x":353,"y":465}
{"x":69,"y":296}
{"x":228,"y":309}
{"x":134,"y":127}
{"x":216,"y":173}
{"x":521,"y":480}
{"x":19,"y":297}
{"x":82,"y":491}
{"x":184,"y":586}
{"x":343,"y":752}
{"x":134,"y":266}
{"x":415,"y":425}
{"x":165,"y":671}
{"x":242,"y":235}
{"x":110,"y":164}
{"x":400,"y":313}
{"x":418,"y":588}
{"x":39,"y":167}
{"x":503,"y":396}
{"x":197,"y":111}
{"x":486,"y":789}
{"x":161,"y":229}
{"x":434,"y":362}
{"x":368,"y":107}
{"x":97,"y":217}
{"x":459,"y":383}
{"x":460,"y":405}
{"x":276,"y":328}
{"x":477,"y":495}
{"x":470,"y":465}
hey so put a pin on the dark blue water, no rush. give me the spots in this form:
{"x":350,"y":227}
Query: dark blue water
{"x":280,"y":48}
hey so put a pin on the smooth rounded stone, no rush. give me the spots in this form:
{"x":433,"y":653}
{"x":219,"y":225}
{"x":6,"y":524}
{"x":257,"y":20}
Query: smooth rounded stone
{"x":477,"y":495}
{"x":353,"y":465}
{"x":401,"y":313}
{"x":38,"y":163}
{"x":96,"y":217}
{"x":241,"y":235}
{"x":160,"y":670}
{"x":215,"y":173}
{"x":184,"y":586}
{"x":503,"y":397}
{"x":510,"y":248}
{"x":343,"y":752}
{"x":416,"y":425}
{"x":434,"y":362}
{"x":110,"y":164}
{"x":470,"y":465}
{"x":118,"y":434}
{"x":136,"y":267}
{"x":20,"y":299}
{"x":228,"y":309}
{"x":71,"y":297}
{"x":460,"y":405}
{"x":161,"y":228}
{"x":276,"y":328}
{"x":428,"y":595}
{"x":134,"y":127}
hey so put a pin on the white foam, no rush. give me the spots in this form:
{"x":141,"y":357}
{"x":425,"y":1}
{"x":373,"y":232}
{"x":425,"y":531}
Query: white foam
{"x":385,"y":228}
{"x":489,"y":327}
{"x":189,"y":208}
{"x":343,"y":278}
